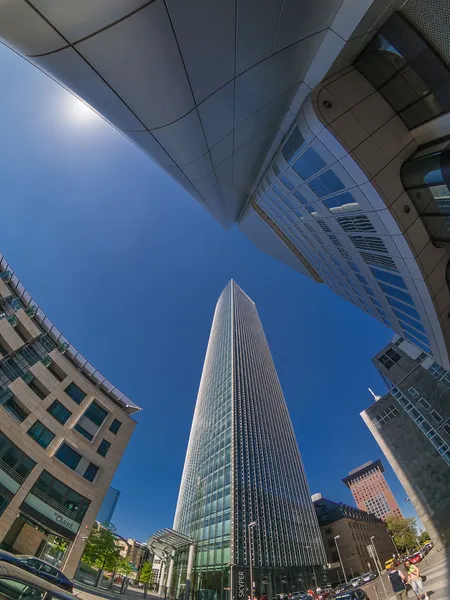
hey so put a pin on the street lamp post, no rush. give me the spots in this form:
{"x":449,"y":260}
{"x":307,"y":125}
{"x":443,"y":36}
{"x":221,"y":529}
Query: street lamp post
{"x":377,"y":561}
{"x":395,"y":545}
{"x":336,"y":537}
{"x":250,"y":554}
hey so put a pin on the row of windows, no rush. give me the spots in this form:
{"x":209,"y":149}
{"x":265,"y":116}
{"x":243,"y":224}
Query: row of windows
{"x":440,"y":374}
{"x":427,"y":429}
{"x":71,"y":458}
{"x":385,"y":416}
{"x":389,"y":358}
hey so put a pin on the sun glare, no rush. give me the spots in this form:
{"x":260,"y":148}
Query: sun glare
{"x":79,"y":111}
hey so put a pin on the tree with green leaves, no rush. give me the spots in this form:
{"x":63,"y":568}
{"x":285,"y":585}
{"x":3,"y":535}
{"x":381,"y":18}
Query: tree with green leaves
{"x":403,"y":531}
{"x":147,"y":576}
{"x":101,"y":550}
{"x":424,"y":537}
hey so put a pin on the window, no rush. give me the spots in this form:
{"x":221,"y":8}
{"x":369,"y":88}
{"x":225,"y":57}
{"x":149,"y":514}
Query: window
{"x":276,"y":169}
{"x":436,"y":416}
{"x":41,"y":434}
{"x":103,"y":448}
{"x":311,"y":210}
{"x":91,"y":472}
{"x":96,"y":413}
{"x":363,"y":242}
{"x":300,"y":197}
{"x":287,"y":182}
{"x":390,"y":291}
{"x":308,"y":164}
{"x":425,"y":403}
{"x":361,"y":278}
{"x":407,"y":309}
{"x":68,"y":456}
{"x":56,"y":371}
{"x":354,"y":266}
{"x":115,"y":426}
{"x":385,"y":416}
{"x":437,"y":371}
{"x":389,"y":278}
{"x":446,"y":428}
{"x":75,"y":393}
{"x":354,"y":223}
{"x":326,"y":184}
{"x":293,"y":144}
{"x":324,"y":225}
{"x":386,"y":262}
{"x":369,"y":290}
{"x":37,"y":387}
{"x":13,"y":589}
{"x":16,"y":409}
{"x":389,"y":358}
{"x":413,"y":392}
{"x":413,"y":332}
{"x":422,"y":356}
{"x":14,"y":458}
{"x":90,"y":422}
{"x":411,"y":322}
{"x":59,"y":412}
{"x":336,"y":241}
{"x":344,"y":203}
{"x":62,"y":495}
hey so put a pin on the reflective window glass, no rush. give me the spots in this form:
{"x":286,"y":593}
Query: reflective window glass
{"x":300,"y":197}
{"x":293,"y":144}
{"x":389,"y":278}
{"x":91,"y":472}
{"x":326,"y":184}
{"x":407,"y":309}
{"x":287,"y":182}
{"x":75,"y":393}
{"x":41,"y":434}
{"x":115,"y":426}
{"x":408,"y":320}
{"x":390,"y":291}
{"x":59,"y":412}
{"x":308,"y":164}
{"x":413,"y":332}
{"x":68,"y":456}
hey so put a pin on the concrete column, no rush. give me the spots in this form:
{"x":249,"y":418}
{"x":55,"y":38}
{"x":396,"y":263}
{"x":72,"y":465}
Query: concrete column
{"x":161,"y":577}
{"x":190,"y":567}
{"x":170,"y":574}
{"x":75,"y":551}
{"x":12,"y":510}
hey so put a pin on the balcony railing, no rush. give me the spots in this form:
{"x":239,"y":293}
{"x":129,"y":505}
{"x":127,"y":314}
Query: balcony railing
{"x":62,"y":509}
{"x":7,"y":469}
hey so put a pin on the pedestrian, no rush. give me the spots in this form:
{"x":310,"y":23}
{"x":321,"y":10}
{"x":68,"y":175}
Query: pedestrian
{"x":415,"y":580}
{"x":398,"y":582}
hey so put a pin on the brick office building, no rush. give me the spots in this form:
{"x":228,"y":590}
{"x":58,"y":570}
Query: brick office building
{"x":371,"y":491}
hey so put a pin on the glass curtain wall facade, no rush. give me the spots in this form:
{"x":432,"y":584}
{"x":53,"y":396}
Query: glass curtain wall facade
{"x":243,"y":466}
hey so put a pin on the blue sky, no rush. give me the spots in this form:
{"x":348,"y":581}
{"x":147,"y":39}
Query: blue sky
{"x":129,"y":268}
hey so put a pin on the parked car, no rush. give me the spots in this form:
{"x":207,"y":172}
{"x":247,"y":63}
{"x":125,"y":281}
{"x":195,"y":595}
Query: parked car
{"x":391,"y":562}
{"x":323,"y":593}
{"x":357,"y":581}
{"x":369,"y":576}
{"x":18,"y":584}
{"x":38,"y":567}
{"x":342,"y":587}
{"x":416,"y":557}
{"x":350,"y":595}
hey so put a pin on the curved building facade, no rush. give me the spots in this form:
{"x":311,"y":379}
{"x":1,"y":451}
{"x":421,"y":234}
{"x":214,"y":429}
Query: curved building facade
{"x":63,"y":430}
{"x":292,"y":119}
{"x":243,"y":466}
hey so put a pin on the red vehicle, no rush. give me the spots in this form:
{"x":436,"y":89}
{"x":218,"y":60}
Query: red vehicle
{"x":415,"y":558}
{"x":323,"y":593}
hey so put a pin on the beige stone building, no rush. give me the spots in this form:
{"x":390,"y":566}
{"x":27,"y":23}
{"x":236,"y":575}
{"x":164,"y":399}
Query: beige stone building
{"x":357,"y":531}
{"x":63,"y":430}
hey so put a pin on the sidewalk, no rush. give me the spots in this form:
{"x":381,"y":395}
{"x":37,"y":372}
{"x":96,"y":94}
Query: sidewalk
{"x":89,"y":592}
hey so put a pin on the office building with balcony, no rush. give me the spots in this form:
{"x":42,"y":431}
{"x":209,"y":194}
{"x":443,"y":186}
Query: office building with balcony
{"x":411,"y":424}
{"x":371,"y":490}
{"x":63,"y":430}
{"x":316,"y":126}
{"x":357,"y":531}
{"x":244,"y":496}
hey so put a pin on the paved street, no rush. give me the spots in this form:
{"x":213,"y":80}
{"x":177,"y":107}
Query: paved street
{"x":436,"y":568}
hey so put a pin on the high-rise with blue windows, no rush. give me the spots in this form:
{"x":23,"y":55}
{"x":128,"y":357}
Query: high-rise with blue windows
{"x":244,"y":495}
{"x":319,"y":126}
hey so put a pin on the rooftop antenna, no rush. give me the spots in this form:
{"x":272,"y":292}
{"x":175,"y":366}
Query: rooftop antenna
{"x":375,"y":397}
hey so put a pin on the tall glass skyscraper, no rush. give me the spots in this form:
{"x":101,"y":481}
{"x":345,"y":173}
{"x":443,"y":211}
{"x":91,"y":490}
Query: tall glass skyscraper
{"x":243,"y":466}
